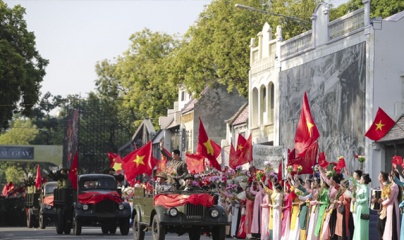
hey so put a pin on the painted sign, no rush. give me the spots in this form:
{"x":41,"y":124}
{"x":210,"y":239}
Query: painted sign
{"x":16,"y":152}
{"x":264,"y":155}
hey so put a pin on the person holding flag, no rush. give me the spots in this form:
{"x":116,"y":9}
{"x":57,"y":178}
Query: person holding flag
{"x":176,"y":168}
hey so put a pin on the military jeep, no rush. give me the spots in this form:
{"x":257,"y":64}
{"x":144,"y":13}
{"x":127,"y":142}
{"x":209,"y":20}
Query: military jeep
{"x":96,"y":203}
{"x":178,"y":212}
{"x":47,"y":211}
{"x":99,"y":204}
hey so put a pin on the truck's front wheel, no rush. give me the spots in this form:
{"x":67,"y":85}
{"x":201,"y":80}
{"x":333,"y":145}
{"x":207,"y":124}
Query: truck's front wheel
{"x":124,"y":226}
{"x":30,"y":220}
{"x":60,"y":223}
{"x":158,"y":230}
{"x":42,"y":223}
{"x":219,"y":233}
{"x":76,"y":226}
{"x":138,"y":229}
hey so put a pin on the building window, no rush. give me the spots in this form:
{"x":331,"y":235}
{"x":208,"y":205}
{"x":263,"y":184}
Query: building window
{"x":182,"y":96}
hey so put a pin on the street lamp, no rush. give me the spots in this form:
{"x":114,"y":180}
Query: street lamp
{"x":271,"y":13}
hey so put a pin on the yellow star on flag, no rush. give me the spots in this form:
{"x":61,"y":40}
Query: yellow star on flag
{"x":117,"y":166}
{"x":209,"y":148}
{"x":379,"y":125}
{"x":139,"y":160}
{"x":309,"y":125}
{"x":240,"y":147}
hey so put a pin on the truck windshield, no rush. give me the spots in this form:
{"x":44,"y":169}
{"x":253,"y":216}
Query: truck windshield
{"x":49,"y":188}
{"x":101,"y":183}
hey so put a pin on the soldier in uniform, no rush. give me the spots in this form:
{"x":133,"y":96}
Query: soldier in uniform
{"x":161,"y":183}
{"x":189,"y":186}
{"x":176,"y":168}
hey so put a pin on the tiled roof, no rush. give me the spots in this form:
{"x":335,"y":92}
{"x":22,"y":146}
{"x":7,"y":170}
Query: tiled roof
{"x":243,"y":116}
{"x":240,"y":116}
{"x":396,"y":132}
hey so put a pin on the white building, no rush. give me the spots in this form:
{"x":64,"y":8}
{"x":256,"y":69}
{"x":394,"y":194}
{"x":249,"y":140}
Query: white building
{"x":348,"y":67}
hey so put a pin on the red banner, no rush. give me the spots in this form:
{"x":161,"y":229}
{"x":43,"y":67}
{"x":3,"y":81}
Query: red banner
{"x":48,"y":200}
{"x":96,"y":197}
{"x":175,"y":200}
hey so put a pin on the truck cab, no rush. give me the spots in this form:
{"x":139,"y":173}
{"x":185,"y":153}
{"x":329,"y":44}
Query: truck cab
{"x":47,"y":211}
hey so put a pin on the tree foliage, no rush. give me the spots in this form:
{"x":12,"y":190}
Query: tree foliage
{"x":378,"y":8}
{"x":216,"y":49}
{"x":22,"y":132}
{"x":22,"y":67}
{"x":139,"y":79}
{"x":48,"y":121}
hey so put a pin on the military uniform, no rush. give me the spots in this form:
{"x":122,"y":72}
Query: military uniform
{"x":175,"y":167}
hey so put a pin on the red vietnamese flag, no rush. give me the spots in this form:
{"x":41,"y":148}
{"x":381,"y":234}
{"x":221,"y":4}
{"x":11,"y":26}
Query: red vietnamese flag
{"x":340,"y":164}
{"x":207,"y":147}
{"x":73,"y":170}
{"x":397,"y":160}
{"x":138,"y":162}
{"x":195,"y":163}
{"x":241,"y":144}
{"x":7,"y":188}
{"x":322,"y":162}
{"x":116,"y":162}
{"x":380,"y":126}
{"x":38,"y":179}
{"x":306,"y":131}
{"x":233,"y":158}
{"x":248,"y":149}
{"x":307,"y":160}
{"x":161,"y":165}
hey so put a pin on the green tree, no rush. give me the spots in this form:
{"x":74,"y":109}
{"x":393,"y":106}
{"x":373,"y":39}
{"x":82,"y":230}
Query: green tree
{"x":138,"y":80}
{"x":216,"y":48}
{"x":378,"y":8}
{"x":22,"y":132}
{"x":48,"y":120}
{"x":22,"y":68}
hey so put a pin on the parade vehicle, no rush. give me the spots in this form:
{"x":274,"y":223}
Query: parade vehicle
{"x":47,"y":211}
{"x":32,"y":207}
{"x":97,"y":203}
{"x":193,"y":212}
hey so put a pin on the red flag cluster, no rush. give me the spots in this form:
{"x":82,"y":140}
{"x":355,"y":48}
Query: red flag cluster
{"x":138,"y":162}
{"x":242,"y":154}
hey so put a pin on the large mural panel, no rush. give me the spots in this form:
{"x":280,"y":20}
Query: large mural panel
{"x":335,"y":87}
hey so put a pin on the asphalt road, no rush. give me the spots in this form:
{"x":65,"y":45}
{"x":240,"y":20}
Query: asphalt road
{"x":22,"y":233}
{"x":95,"y":233}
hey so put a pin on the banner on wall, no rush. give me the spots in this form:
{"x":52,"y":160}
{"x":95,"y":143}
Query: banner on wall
{"x":272,"y":155}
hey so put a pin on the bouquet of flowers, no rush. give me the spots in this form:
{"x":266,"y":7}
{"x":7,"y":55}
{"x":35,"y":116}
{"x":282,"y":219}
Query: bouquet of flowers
{"x":329,"y":173}
{"x":299,"y":168}
{"x":259,"y":175}
{"x":289,"y":168}
{"x":315,"y":168}
{"x":298,"y":192}
{"x":361,"y":158}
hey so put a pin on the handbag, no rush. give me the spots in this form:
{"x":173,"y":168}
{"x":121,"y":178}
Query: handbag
{"x":365,"y":216}
{"x":341,"y":208}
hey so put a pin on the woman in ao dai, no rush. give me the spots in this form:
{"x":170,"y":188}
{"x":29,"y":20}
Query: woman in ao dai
{"x":276,"y":208}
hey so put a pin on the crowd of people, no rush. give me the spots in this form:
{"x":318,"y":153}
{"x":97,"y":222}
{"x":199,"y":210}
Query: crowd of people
{"x":324,"y":205}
